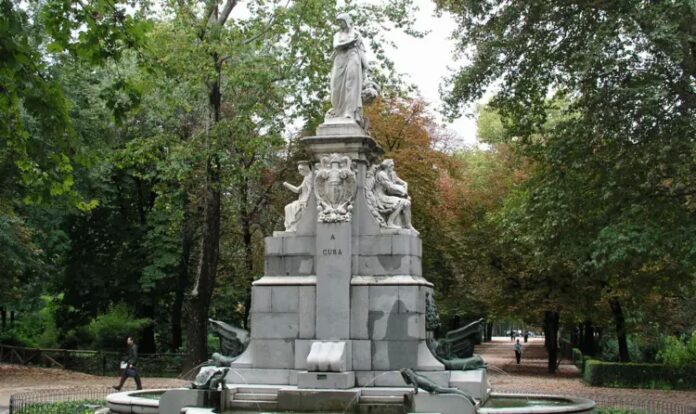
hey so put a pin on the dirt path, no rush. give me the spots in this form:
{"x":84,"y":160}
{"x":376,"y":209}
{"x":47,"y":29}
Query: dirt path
{"x":16,"y":379}
{"x":531,"y":377}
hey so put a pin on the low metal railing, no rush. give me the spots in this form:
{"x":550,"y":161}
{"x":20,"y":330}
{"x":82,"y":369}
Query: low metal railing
{"x":59,"y":401}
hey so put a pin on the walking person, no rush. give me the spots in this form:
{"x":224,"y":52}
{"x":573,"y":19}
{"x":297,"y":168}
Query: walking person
{"x":518,"y":351}
{"x":131,"y":364}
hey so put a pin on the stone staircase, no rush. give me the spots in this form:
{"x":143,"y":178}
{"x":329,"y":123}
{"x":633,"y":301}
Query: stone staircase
{"x":254,"y":399}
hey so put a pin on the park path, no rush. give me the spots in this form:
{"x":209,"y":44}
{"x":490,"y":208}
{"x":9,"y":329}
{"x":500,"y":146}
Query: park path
{"x":531,"y":376}
{"x":15,"y":379}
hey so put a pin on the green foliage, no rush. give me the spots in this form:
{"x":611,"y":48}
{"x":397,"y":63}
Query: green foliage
{"x":637,"y":375}
{"x":678,"y":353}
{"x":577,"y":358}
{"x":111,"y":329}
{"x":35,"y":329}
{"x":62,"y":407}
{"x":610,"y":349}
{"x":616,"y":411}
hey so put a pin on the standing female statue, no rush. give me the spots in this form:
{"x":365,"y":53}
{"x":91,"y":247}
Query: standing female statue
{"x":348,"y":72}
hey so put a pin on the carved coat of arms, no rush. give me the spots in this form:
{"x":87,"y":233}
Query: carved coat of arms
{"x":334,"y":187}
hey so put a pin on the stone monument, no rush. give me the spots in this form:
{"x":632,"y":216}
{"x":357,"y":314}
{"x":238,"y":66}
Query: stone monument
{"x":342,"y":303}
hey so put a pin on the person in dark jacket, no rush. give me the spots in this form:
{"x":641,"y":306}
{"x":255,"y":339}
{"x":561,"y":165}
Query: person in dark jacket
{"x":131,"y":369}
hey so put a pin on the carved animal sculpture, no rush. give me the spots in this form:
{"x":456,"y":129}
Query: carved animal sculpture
{"x":425,"y":383}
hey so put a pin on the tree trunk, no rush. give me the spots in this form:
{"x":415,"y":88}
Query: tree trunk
{"x":551,"y":319}
{"x":489,"y":331}
{"x":588,"y":343}
{"x":620,"y":325}
{"x":147,"y":343}
{"x":198,"y":304}
{"x":245,"y":223}
{"x":3,"y":318}
{"x":182,"y":281}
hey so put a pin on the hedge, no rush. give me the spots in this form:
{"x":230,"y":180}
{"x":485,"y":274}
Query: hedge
{"x":577,"y":358}
{"x":634,"y":375}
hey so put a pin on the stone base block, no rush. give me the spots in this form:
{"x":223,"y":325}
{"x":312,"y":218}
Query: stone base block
{"x":442,"y":403}
{"x":394,"y":378}
{"x":325,"y":400}
{"x":473,"y":382}
{"x":174,"y":400}
{"x":261,"y":376}
{"x":326,"y":380}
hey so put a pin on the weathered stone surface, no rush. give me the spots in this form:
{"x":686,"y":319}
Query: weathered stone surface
{"x":473,"y":382}
{"x":362,"y":355}
{"x":307,"y":310}
{"x":289,"y":265}
{"x":299,"y":245}
{"x":326,"y":380}
{"x":442,"y":403}
{"x":426,"y":360}
{"x":373,"y":245}
{"x":411,"y":299}
{"x":391,"y":355}
{"x":325,"y":401}
{"x":260,"y":299}
{"x":333,"y":281}
{"x":285,"y":299}
{"x":273,"y":246}
{"x":173,"y":401}
{"x":396,"y":326}
{"x":384,"y":299}
{"x":275,"y":325}
{"x":302,"y":347}
{"x":273,"y":353}
{"x":261,"y":376}
{"x":359,"y":308}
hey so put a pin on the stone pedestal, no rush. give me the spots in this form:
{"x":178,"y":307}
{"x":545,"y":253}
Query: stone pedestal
{"x":353,"y":281}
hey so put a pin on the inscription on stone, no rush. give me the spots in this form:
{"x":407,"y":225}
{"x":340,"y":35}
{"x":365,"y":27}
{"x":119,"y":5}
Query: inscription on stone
{"x":331,"y":252}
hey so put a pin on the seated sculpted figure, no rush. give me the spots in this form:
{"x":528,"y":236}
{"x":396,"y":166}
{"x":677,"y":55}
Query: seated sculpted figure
{"x":391,"y":196}
{"x":293,"y":211}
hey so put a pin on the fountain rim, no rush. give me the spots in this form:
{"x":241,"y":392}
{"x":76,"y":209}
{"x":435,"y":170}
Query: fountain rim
{"x":579,"y":404}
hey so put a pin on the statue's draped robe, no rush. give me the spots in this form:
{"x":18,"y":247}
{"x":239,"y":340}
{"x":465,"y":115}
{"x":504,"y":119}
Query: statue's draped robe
{"x":293,"y":211}
{"x":347,"y":76}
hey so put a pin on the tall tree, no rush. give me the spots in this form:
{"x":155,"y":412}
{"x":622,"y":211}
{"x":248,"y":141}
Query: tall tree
{"x":616,"y":173}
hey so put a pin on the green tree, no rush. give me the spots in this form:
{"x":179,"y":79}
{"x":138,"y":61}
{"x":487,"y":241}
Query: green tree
{"x":616,"y":178}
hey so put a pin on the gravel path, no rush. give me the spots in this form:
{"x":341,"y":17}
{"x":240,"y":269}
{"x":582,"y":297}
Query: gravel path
{"x":15,"y":379}
{"x":531,"y":377}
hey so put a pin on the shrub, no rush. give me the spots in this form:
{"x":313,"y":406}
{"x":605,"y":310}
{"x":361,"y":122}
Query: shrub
{"x":677,"y":353}
{"x":35,"y":329}
{"x":65,"y":407}
{"x":636,"y":375}
{"x":577,"y":357}
{"x":111,"y":329}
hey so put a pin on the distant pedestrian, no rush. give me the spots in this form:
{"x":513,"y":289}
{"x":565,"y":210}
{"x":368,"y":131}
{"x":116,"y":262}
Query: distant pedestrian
{"x":518,"y":351}
{"x":130,"y":366}
{"x":526,"y":336}
{"x":512,"y":335}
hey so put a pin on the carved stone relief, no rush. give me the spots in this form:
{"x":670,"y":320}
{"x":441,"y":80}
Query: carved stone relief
{"x":334,"y":187}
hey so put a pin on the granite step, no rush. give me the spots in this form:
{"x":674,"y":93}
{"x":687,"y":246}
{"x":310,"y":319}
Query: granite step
{"x":254,"y":396}
{"x":381,"y":399}
{"x":257,"y":390}
{"x":257,"y":405}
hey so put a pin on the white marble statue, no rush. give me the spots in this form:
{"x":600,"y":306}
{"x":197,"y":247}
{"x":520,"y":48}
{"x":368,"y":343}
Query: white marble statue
{"x":334,"y":187}
{"x":293,"y":211}
{"x":387,"y":196}
{"x":348,"y":73}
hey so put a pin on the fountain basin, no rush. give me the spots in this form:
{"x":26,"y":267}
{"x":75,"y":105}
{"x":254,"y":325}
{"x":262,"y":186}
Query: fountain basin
{"x":142,"y":401}
{"x":534,"y":404}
